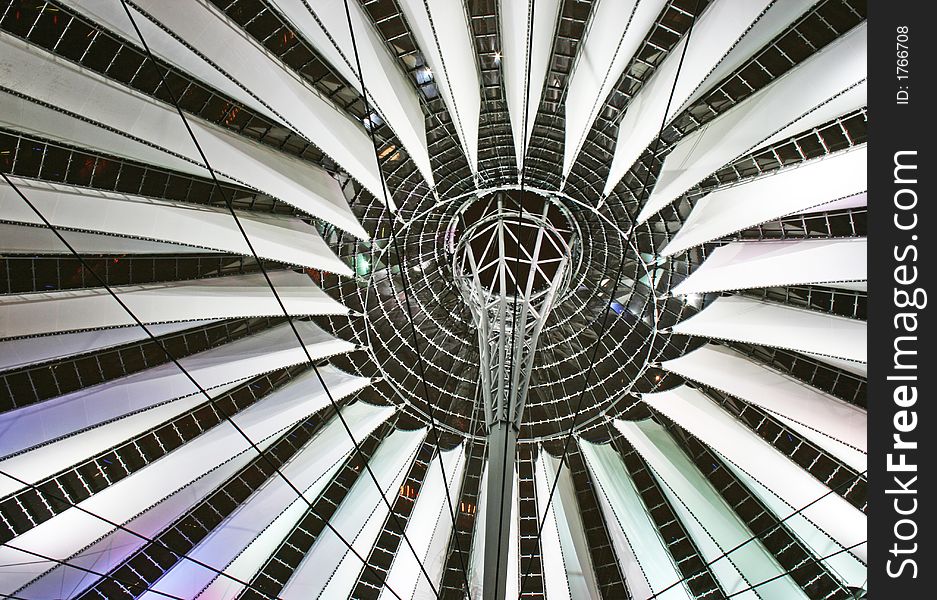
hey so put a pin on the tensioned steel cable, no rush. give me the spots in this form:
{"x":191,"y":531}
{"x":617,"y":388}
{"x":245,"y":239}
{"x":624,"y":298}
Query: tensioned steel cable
{"x":276,"y":295}
{"x":789,"y":571}
{"x":569,"y":436}
{"x":273,"y":290}
{"x":64,"y":563}
{"x":758,"y":536}
{"x":403,"y":280}
{"x":188,"y":375}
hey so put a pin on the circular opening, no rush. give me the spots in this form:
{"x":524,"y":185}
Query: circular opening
{"x":514,"y":244}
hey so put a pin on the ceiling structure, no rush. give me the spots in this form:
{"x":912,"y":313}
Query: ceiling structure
{"x":235,"y":361}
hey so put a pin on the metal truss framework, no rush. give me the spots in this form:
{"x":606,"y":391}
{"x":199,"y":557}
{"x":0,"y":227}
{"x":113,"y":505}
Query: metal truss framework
{"x":510,"y":266}
{"x":63,"y":31}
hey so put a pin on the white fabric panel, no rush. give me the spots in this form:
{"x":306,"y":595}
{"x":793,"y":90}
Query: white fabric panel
{"x":777,"y":18}
{"x":145,"y":122}
{"x":298,"y":105}
{"x":275,"y":237}
{"x":268,"y":350}
{"x":555,"y":579}
{"x":644,"y":559}
{"x":24,"y":115}
{"x":745,"y":265}
{"x":787,"y":105}
{"x":848,"y":101}
{"x":390,"y":93}
{"x":20,"y":114}
{"x":737,"y":375}
{"x":512,"y":586}
{"x":786,"y":192}
{"x":319,"y":24}
{"x":693,"y":411}
{"x":252,"y":559}
{"x":715,"y":33}
{"x":40,"y":313}
{"x":21,"y":239}
{"x":428,"y":530}
{"x":850,"y":570}
{"x":31,"y":351}
{"x":309,"y":471}
{"x":329,"y":569}
{"x":710,"y":521}
{"x":117,"y":546}
{"x":362,"y":419}
{"x":72,"y":530}
{"x":476,"y":565}
{"x":477,"y":558}
{"x":165,"y":46}
{"x":850,"y":456}
{"x":51,"y":458}
{"x":752,"y":321}
{"x":442,"y":32}
{"x":524,"y":100}
{"x":567,"y":565}
{"x":615,"y":32}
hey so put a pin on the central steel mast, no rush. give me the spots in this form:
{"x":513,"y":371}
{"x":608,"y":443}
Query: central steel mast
{"x":510,"y":266}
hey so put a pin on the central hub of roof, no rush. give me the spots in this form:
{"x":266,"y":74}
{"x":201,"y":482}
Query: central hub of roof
{"x":513,"y":244}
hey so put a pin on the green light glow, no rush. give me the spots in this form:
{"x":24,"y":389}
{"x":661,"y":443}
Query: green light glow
{"x":362,"y":265}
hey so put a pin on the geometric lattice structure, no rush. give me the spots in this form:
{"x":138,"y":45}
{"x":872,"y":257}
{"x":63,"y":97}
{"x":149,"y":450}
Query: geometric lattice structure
{"x":510,"y":265}
{"x":254,"y":345}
